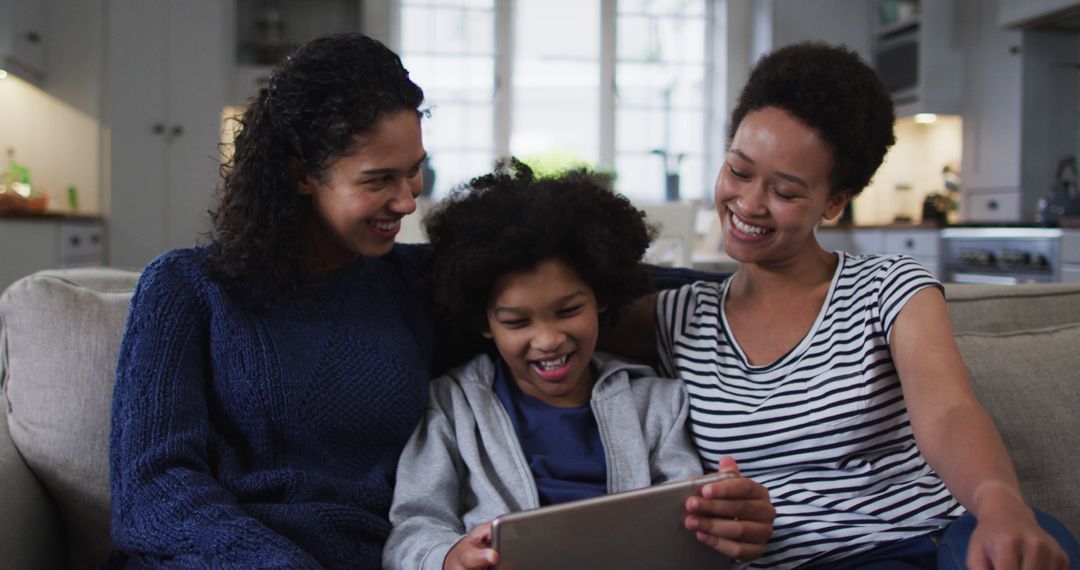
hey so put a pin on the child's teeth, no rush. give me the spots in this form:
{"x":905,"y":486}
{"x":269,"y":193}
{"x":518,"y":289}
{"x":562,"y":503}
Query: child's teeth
{"x":552,"y":364}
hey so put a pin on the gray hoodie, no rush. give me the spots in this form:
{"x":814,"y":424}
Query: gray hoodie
{"x":464,"y":465}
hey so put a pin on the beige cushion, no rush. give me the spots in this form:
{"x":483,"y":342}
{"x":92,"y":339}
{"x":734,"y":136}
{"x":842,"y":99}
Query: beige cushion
{"x":993,"y":308}
{"x":1029,"y":383}
{"x":63,"y":334}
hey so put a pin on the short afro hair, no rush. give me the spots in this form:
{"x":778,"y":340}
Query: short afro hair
{"x":511,"y":220}
{"x":835,"y":93}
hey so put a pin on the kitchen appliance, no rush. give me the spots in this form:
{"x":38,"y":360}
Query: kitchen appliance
{"x":1001,"y":256}
{"x":1063,"y":199}
{"x":896,"y":56}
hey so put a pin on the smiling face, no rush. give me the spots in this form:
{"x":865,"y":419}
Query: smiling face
{"x":545,"y":322}
{"x":360,"y":201}
{"x":774,"y":188}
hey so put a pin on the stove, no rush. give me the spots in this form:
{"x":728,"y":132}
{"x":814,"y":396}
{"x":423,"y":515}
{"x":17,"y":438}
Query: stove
{"x":1001,"y":255}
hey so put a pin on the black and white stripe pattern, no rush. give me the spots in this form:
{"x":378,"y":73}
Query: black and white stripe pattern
{"x":824,"y":428}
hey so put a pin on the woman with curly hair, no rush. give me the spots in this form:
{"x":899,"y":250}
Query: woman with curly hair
{"x":832,"y":378}
{"x":268,"y":381}
{"x":529,"y":267}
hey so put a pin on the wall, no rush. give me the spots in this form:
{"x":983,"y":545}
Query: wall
{"x":55,"y":128}
{"x":834,"y":21}
{"x":58,"y":142}
{"x":917,"y":159}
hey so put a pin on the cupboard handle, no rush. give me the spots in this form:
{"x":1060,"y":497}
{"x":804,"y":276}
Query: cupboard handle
{"x":158,"y":128}
{"x":910,"y":243}
{"x":992,"y":205}
{"x":33,"y":37}
{"x":176,"y":131}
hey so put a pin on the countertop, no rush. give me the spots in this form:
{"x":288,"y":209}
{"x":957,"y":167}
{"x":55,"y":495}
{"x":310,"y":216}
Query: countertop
{"x":50,"y":217}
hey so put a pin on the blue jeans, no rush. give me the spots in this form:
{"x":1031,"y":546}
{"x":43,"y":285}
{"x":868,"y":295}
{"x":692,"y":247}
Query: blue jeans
{"x":947,"y":548}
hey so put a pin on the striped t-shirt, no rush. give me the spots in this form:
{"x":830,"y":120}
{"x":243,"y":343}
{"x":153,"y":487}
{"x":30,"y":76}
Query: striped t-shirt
{"x":824,"y":428}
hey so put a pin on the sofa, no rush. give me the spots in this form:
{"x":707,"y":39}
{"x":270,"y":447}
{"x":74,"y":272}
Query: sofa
{"x":61,"y":332}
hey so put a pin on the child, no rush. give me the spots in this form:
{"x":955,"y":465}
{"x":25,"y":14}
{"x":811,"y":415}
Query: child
{"x":531,"y":266}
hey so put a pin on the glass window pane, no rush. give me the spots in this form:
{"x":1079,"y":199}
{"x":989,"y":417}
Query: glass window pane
{"x":459,"y":125}
{"x":688,"y":131}
{"x":450,"y":30}
{"x":448,"y":48}
{"x":555,"y":109}
{"x":661,"y":81}
{"x":647,"y":84}
{"x":455,"y":167}
{"x":640,"y":177}
{"x":696,"y":183}
{"x":683,"y":7}
{"x":639,"y":130}
{"x":455,"y":78}
{"x":653,"y":38}
{"x":546,"y":29}
{"x":556,"y":81}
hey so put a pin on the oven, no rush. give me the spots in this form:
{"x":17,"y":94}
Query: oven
{"x":1001,"y":256}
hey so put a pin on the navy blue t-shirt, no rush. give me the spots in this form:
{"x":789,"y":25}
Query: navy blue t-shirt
{"x":562,"y":445}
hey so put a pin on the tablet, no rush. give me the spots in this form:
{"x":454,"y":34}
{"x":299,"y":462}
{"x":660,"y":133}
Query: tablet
{"x":635,"y":529}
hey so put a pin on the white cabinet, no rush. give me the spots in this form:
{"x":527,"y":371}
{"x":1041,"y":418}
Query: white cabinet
{"x":23,"y":38}
{"x":167,"y":62}
{"x":48,"y":243}
{"x":924,"y":244}
{"x":991,"y":106}
{"x":1020,"y":113}
{"x":1070,"y":255}
{"x":1017,"y":13}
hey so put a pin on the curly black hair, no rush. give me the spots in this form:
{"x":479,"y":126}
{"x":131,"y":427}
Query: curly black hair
{"x":316,"y":102}
{"x":835,"y":93}
{"x":511,"y":220}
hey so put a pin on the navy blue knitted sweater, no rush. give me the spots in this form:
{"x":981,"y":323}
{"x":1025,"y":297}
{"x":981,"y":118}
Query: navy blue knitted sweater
{"x":265,"y":440}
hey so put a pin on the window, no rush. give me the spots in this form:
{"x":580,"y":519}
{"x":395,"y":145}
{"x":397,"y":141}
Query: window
{"x":622,"y":85}
{"x":449,"y":50}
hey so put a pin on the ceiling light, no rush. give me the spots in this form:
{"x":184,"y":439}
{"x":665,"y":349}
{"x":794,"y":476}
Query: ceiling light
{"x":925,"y":118}
{"x":3,"y":74}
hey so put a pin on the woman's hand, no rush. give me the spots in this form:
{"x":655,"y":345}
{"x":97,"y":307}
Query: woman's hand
{"x":734,"y":516}
{"x":1008,"y":537}
{"x":473,"y":551}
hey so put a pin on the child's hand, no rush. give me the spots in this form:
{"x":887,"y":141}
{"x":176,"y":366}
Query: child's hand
{"x":473,"y":551}
{"x":734,"y":516}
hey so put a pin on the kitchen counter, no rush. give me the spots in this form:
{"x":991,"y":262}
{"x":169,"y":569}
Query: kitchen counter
{"x":892,"y":226}
{"x":48,"y":240}
{"x":50,"y":216}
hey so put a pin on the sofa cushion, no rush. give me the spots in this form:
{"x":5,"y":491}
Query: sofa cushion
{"x":62,"y":331}
{"x":1028,"y":382}
{"x":994,"y":309}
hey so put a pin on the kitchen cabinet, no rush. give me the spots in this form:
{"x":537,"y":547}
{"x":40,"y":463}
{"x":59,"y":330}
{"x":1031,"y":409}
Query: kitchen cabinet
{"x":992,"y":117}
{"x":34,"y":244}
{"x":167,"y":62}
{"x":1020,"y":113}
{"x":23,"y":38}
{"x":916,"y":52}
{"x":1070,"y":255}
{"x":923,"y":244}
{"x":1026,"y":13}
{"x":265,"y":31}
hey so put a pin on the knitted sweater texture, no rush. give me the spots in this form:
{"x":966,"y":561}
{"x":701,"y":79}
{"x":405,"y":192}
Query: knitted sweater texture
{"x":265,"y":439}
